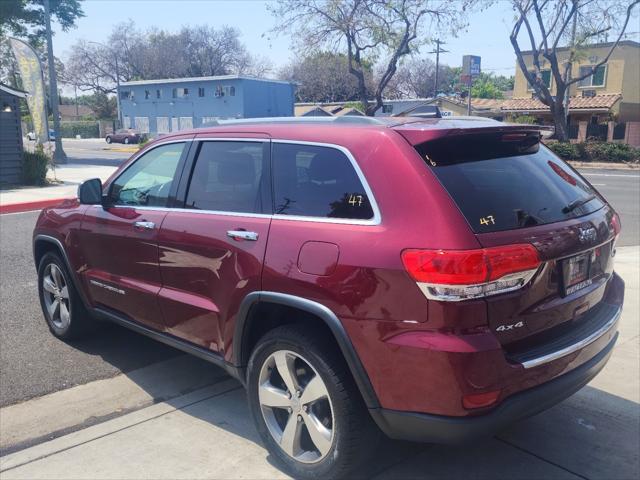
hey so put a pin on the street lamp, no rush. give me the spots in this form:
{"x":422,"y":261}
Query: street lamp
{"x":115,"y":56}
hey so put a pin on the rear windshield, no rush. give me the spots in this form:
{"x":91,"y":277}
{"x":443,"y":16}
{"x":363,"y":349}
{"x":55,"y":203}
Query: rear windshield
{"x":505,"y":185}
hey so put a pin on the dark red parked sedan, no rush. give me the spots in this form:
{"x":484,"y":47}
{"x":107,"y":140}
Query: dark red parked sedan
{"x":435,"y":280}
{"x":125,"y":135}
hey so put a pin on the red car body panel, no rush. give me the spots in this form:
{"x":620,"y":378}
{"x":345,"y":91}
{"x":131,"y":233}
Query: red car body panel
{"x":420,"y":355}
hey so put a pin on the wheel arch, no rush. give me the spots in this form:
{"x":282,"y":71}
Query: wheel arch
{"x":248,"y":320}
{"x":42,"y":244}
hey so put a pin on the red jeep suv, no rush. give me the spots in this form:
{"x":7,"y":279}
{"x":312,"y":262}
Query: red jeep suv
{"x":432,"y":279}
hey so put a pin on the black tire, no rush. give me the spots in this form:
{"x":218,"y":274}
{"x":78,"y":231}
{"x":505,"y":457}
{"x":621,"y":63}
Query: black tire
{"x":79,"y":321}
{"x":355,"y":436}
{"x":108,"y":139}
{"x":126,"y":140}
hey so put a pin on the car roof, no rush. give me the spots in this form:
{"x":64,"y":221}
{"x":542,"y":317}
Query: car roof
{"x":411,"y":128}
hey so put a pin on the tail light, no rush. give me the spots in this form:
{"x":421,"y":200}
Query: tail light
{"x":615,"y":224}
{"x":454,"y":275}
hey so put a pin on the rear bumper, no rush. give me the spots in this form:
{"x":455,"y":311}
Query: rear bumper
{"x":422,"y":427}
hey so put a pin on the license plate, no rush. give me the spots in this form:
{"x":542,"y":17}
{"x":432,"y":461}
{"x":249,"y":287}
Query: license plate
{"x":575,"y":273}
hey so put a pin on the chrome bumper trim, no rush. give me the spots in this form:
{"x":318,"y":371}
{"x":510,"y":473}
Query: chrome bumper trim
{"x":576,"y":346}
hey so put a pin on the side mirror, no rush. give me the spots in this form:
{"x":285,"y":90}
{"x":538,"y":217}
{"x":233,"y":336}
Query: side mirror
{"x":90,"y":192}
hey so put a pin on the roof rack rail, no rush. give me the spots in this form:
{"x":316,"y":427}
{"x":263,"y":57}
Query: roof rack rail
{"x":352,"y":120}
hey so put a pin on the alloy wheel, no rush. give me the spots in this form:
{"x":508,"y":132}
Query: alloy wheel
{"x":56,"y":296}
{"x":296,"y":406}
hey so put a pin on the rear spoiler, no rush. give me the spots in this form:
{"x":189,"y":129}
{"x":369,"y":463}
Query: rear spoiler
{"x":418,"y":132}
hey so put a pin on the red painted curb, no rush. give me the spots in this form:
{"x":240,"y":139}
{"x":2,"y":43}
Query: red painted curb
{"x":30,"y":206}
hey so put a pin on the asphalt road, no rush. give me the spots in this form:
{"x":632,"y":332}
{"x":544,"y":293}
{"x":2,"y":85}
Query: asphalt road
{"x":33,"y":363}
{"x":622,"y":189}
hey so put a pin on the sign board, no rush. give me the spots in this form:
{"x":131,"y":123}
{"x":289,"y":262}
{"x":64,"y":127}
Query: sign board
{"x":33,"y":82}
{"x":471,"y":65}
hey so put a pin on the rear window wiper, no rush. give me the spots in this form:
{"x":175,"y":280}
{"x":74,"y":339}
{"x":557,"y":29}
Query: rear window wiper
{"x":577,"y":203}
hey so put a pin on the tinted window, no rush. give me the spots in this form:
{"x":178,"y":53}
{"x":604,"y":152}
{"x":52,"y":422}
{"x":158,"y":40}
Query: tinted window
{"x":497,"y":188}
{"x":148,"y":180}
{"x":317,"y":182}
{"x":227,"y":177}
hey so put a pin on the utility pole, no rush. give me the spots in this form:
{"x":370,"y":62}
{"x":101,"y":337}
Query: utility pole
{"x":58,"y":155}
{"x":437,"y":51}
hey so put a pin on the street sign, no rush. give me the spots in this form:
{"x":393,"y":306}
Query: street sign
{"x":471,"y":65}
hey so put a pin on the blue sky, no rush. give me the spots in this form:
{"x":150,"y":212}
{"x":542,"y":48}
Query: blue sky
{"x":487,"y":35}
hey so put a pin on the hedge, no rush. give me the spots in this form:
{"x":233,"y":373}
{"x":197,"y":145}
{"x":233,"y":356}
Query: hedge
{"x":84,"y":129}
{"x":34,"y":166}
{"x":596,"y":151}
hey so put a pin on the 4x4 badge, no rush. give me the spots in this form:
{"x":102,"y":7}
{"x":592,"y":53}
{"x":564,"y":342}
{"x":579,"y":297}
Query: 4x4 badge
{"x":587,"y":235}
{"x":504,"y":328}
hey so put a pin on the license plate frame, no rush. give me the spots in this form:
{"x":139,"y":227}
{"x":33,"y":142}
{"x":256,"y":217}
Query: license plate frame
{"x":576,"y":272}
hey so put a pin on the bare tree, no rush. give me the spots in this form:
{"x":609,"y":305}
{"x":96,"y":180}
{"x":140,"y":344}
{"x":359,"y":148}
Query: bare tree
{"x":547,"y":26}
{"x":324,"y":77}
{"x":367,"y":30}
{"x":135,"y":55}
{"x":416,"y":78}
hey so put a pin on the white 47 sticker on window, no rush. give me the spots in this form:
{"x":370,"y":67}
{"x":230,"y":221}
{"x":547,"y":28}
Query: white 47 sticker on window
{"x":504,"y":328}
{"x":355,"y":200}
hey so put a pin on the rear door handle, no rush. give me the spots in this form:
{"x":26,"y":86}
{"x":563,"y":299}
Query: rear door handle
{"x":144,"y":225}
{"x":242,"y":235}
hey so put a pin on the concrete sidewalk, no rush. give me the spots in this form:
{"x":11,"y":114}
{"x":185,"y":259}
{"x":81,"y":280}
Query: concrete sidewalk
{"x":70,"y":177}
{"x":208,"y":432}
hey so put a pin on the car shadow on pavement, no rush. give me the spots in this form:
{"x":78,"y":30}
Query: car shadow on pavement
{"x":593,"y":434}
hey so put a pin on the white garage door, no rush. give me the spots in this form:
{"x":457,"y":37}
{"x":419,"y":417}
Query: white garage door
{"x":142,"y":124}
{"x":162,"y":124}
{"x":174,"y":124}
{"x":186,"y":123}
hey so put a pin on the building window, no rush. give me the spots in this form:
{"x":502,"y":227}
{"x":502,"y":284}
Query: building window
{"x":387,"y":108}
{"x":125,"y":95}
{"x":229,"y":91}
{"x":201,"y":91}
{"x":180,"y":92}
{"x":158,"y":93}
{"x":546,"y":78}
{"x":219,"y":92}
{"x":147,"y":94}
{"x":598,"y":78}
{"x":232,"y":91}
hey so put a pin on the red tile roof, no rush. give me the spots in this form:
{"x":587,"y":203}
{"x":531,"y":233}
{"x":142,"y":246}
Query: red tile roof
{"x":599,"y":102}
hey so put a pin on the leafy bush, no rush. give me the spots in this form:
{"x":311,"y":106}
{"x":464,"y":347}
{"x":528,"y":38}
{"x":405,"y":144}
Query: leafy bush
{"x":596,"y":151}
{"x":609,"y":152}
{"x":566,"y":151}
{"x":84,"y":129}
{"x":525,"y":119}
{"x":34,"y":166}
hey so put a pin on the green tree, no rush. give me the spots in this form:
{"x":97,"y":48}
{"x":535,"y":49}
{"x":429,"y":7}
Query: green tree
{"x":25,"y":18}
{"x":488,"y":85}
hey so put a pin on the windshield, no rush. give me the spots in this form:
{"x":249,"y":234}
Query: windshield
{"x":508,"y":188}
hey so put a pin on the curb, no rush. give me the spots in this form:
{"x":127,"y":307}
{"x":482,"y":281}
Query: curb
{"x":30,"y":206}
{"x":604,"y":165}
{"x":121,"y":149}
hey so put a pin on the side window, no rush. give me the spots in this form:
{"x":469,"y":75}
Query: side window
{"x":148,"y":180}
{"x":314,"y":181}
{"x":227,"y":177}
